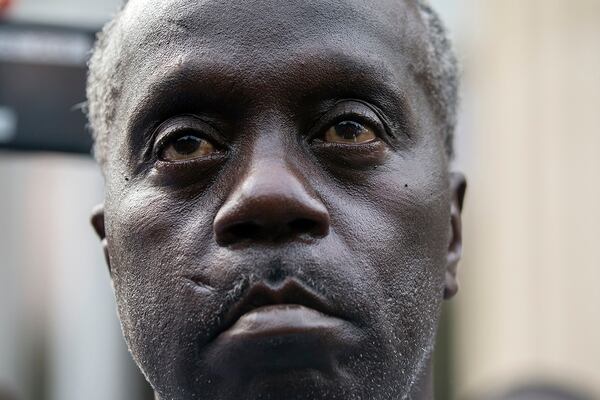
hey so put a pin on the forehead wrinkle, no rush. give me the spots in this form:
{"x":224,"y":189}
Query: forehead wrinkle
{"x":240,"y":70}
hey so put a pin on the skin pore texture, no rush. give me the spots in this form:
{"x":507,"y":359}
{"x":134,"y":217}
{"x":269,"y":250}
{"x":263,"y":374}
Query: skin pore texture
{"x":280,"y":221}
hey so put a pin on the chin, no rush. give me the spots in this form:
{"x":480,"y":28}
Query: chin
{"x":367,"y":374}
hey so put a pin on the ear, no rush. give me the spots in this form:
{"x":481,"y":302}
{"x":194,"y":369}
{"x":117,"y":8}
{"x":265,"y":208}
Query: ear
{"x":458,"y":187}
{"x":98,"y":224}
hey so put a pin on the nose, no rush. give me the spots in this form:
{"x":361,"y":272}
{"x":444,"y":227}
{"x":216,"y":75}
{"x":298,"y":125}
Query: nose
{"x":271,"y":204}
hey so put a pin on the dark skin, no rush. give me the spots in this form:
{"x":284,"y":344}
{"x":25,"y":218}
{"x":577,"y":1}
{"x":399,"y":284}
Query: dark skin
{"x":280,"y":221}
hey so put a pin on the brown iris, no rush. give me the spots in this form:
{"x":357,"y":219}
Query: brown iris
{"x":187,"y":147}
{"x":349,"y":132}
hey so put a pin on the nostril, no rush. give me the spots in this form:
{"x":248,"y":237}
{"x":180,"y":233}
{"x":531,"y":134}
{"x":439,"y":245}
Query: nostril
{"x":243,"y":230}
{"x":254,"y":231}
{"x":305,"y":225}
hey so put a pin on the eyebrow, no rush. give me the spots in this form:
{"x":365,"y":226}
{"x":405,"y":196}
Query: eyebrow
{"x":221,"y":87}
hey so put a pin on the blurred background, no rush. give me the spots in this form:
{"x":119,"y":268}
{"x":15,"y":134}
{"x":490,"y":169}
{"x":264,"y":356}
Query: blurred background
{"x":528,"y":312}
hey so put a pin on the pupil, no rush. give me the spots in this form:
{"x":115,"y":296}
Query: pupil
{"x":349,"y":130}
{"x":186,"y":144}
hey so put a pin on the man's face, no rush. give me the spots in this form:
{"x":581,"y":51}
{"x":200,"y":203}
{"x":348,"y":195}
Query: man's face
{"x":279,"y":217}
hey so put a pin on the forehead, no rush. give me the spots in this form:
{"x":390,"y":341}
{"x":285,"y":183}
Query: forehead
{"x":262,"y":32}
{"x":268,"y":22}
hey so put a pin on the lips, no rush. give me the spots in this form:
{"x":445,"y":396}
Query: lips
{"x":291,"y":292}
{"x":283,"y":327}
{"x":278,"y":321}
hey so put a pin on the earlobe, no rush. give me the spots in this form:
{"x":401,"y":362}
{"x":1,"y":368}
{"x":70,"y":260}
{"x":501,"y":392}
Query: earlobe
{"x":458,"y":187}
{"x":97,"y":221}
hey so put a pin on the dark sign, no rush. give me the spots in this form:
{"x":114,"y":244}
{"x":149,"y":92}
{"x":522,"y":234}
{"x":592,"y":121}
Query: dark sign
{"x":42,"y":87}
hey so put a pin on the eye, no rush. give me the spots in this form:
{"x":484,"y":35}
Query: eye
{"x":349,"y":132}
{"x":188,"y":146}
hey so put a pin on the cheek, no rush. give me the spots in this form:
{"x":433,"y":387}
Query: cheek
{"x":416,"y":277}
{"x":398,"y":220}
{"x":155,"y":244}
{"x":149,"y":230}
{"x":399,"y":217}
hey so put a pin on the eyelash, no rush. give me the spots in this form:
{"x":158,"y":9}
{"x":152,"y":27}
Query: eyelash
{"x":175,"y":132}
{"x":372,"y":123}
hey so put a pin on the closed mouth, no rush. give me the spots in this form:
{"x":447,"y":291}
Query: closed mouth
{"x":263,"y":297}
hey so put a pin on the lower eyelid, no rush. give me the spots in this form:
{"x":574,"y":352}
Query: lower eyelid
{"x":211,"y":158}
{"x":377,"y":142}
{"x":352,"y":156}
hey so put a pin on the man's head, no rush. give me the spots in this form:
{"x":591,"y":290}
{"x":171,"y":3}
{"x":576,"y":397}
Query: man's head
{"x":279,"y":220}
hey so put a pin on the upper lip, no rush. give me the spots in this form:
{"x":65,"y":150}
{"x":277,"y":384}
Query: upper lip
{"x":289,"y":292}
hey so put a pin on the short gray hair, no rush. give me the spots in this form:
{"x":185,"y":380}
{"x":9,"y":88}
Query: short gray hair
{"x":439,"y":73}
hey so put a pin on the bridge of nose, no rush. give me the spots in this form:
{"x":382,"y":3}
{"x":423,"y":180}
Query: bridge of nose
{"x":273,"y":181}
{"x":271,"y":199}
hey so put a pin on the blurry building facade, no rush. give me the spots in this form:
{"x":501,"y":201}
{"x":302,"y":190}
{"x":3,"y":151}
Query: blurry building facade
{"x":529,"y":302}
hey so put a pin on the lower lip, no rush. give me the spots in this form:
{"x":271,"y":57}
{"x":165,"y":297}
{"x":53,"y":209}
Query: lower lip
{"x":277,"y":320}
{"x":280,"y":337}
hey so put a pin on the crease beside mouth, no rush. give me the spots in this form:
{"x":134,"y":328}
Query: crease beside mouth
{"x":201,"y":283}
